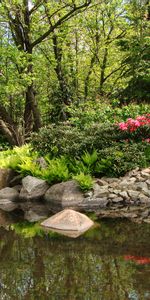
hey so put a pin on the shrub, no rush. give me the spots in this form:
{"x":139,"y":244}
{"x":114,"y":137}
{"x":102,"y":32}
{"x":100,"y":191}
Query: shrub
{"x":137,"y":129}
{"x":85,"y":114}
{"x":118,"y":160}
{"x":72,"y":141}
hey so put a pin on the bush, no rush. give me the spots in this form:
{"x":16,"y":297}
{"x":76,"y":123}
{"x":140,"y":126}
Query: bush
{"x":85,"y":114}
{"x":118,"y":160}
{"x":72,"y":141}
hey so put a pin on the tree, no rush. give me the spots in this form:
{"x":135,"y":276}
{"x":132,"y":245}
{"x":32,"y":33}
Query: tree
{"x":31,"y":23}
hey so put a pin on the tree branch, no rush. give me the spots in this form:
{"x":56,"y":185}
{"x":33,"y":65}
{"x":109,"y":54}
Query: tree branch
{"x":35,"y":7}
{"x":67,"y":16}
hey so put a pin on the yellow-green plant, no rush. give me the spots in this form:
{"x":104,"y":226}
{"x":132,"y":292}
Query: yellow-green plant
{"x":85,"y":181}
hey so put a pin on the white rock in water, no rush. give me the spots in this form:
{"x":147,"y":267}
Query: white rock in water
{"x":68,"y":220}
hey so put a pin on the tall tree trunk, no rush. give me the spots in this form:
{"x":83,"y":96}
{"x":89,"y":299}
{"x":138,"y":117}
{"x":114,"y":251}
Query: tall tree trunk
{"x":86,"y":82}
{"x":65,"y":93}
{"x":31,"y":113}
{"x":103,"y":68}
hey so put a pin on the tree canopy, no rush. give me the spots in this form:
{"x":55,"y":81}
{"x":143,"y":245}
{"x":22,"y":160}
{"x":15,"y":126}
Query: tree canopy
{"x":58,"y":53}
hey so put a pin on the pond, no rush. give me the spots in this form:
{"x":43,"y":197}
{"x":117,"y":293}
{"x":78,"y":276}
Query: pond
{"x":109,"y":262}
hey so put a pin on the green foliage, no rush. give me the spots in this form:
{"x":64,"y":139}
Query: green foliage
{"x":56,"y":171}
{"x":4,"y":145}
{"x":86,"y":114}
{"x":27,"y":230}
{"x":118,"y":160}
{"x":13,"y":157}
{"x":73,"y":142}
{"x":85,"y":181}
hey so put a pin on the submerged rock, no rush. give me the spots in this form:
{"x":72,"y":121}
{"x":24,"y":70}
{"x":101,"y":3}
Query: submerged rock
{"x":69,"y":220}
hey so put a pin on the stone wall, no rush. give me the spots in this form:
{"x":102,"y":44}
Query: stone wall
{"x":128,"y":196}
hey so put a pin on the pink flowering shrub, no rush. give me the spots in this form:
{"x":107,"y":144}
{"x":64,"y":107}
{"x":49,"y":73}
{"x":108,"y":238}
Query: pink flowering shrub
{"x":138,"y":129}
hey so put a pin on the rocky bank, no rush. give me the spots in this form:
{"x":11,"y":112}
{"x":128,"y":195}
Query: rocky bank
{"x":127,"y":196}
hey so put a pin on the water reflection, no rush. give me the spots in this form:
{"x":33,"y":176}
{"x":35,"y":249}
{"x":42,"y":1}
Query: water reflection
{"x":97,"y":266}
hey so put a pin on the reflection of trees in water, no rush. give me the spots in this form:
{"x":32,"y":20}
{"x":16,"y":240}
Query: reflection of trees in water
{"x":42,"y":269}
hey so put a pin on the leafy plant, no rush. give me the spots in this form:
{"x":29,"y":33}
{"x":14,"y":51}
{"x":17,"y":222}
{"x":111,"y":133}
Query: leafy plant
{"x":85,"y":181}
{"x":56,"y":171}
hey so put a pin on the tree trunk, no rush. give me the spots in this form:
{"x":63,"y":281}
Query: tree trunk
{"x":31,"y":114}
{"x":103,"y":68}
{"x":65,"y":93}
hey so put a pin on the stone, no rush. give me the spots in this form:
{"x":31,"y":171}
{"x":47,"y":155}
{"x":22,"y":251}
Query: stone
{"x":100,"y":191}
{"x":139,"y":178}
{"x":8,"y":205}
{"x":147,"y":170}
{"x":117,"y":199}
{"x":9,"y":193}
{"x":117,"y":192}
{"x":111,"y":180}
{"x":124,"y":194}
{"x":132,"y":180}
{"x":64,"y":195}
{"x":111,"y":196}
{"x":145,"y":213}
{"x":145,"y":174}
{"x":94,"y":204}
{"x":133,"y":195}
{"x":144,"y":199}
{"x":33,"y":188}
{"x":130,"y":215}
{"x":147,"y":220}
{"x":101,"y":182}
{"x":133,"y":172}
{"x":69,"y":220}
{"x":148,"y":182}
{"x":101,"y":194}
{"x":41,"y":162}
{"x":88,"y":194}
{"x":140,"y":186}
{"x":5,"y":177}
{"x":146,"y":192}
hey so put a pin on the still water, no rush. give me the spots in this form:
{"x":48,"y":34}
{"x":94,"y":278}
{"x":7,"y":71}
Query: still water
{"x":109,"y":262}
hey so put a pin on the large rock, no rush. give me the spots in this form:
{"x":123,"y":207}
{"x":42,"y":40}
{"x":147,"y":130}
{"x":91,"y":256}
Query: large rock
{"x":33,"y":188}
{"x":9,"y":193}
{"x":64,"y":195}
{"x":70,"y":220}
{"x":6,"y":176}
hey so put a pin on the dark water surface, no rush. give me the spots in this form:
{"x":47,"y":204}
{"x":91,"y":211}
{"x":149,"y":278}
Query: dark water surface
{"x":110,"y":262}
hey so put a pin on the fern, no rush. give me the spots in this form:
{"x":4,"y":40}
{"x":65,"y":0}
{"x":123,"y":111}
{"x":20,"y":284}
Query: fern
{"x":56,"y":171}
{"x":85,"y":181}
{"x":89,"y":159}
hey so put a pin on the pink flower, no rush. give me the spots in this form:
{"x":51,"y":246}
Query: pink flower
{"x":147,"y":140}
{"x":123,"y":126}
